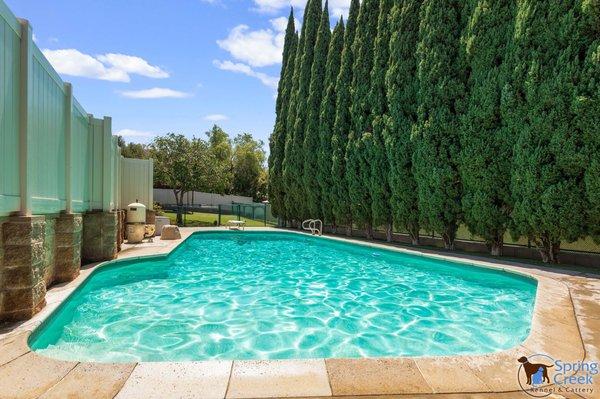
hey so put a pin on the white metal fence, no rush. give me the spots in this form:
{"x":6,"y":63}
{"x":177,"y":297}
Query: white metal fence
{"x":165,"y":196}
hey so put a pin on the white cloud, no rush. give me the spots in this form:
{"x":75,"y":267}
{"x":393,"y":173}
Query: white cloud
{"x":257,"y":48}
{"x":112,"y":67}
{"x":75,"y":63}
{"x":131,"y":133}
{"x":133,"y":65}
{"x":238,"y":67}
{"x":280,"y":24}
{"x":215,"y":117}
{"x":156,"y":92}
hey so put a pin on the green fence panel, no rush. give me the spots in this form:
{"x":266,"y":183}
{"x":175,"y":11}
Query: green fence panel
{"x":81,"y":158}
{"x":73,"y":163}
{"x":9,"y":111}
{"x":47,"y":137}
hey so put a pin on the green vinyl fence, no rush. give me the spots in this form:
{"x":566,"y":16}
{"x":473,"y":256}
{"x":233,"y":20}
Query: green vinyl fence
{"x":54,"y":156}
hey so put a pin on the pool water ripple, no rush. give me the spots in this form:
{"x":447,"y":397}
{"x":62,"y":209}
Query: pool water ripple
{"x":265,"y":295}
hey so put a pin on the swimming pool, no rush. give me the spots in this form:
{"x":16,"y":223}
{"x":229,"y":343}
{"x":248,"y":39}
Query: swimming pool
{"x":274,"y":295}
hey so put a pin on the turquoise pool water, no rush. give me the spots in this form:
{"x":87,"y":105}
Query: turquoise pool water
{"x":270,"y":295}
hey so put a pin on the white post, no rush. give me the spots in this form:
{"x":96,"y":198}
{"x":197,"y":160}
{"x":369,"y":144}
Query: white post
{"x":25,"y":61}
{"x":106,"y":163}
{"x":150,"y":169}
{"x":68,"y":147}
{"x":90,"y":163}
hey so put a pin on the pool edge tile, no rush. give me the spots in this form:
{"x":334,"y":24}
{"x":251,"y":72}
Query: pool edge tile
{"x":97,"y":380}
{"x":13,"y":347}
{"x":207,"y":379}
{"x":449,"y":375}
{"x":386,"y":376}
{"x":278,"y":379}
{"x":30,"y":375}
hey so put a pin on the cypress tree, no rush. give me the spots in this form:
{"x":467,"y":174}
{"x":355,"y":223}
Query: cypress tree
{"x":326,"y":122}
{"x":549,"y":163}
{"x":441,"y":88}
{"x":278,"y":138}
{"x":360,"y":141}
{"x":294,"y":158}
{"x":486,"y":144}
{"x":311,"y":147}
{"x":379,"y":183}
{"x":402,"y":90}
{"x":589,"y":112}
{"x":343,"y":121}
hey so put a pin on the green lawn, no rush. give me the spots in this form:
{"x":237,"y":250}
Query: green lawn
{"x":198,"y":219}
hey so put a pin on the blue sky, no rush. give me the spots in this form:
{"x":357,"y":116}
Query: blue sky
{"x":158,"y":66}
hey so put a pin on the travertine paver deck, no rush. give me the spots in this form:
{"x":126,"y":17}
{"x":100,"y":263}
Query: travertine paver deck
{"x":566,"y":325}
{"x":84,"y":378}
{"x":278,"y":378}
{"x":181,"y":380}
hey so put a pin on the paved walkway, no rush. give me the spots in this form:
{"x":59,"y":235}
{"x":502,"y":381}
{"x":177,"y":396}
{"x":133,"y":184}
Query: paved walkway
{"x":566,"y":325}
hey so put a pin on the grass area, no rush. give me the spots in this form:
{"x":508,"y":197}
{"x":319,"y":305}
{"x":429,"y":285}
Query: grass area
{"x":198,"y":219}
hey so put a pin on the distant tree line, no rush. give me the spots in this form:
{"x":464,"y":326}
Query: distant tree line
{"x":422,"y":115}
{"x":217,"y":164}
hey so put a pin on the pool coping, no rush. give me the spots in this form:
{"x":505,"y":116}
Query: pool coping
{"x":554,"y":331}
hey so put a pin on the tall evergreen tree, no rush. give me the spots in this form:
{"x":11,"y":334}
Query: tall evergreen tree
{"x":326,"y":122}
{"x":278,"y":138}
{"x":360,"y":141}
{"x":312,"y":143}
{"x":294,"y":158}
{"x":548,"y":168}
{"x":402,"y":90}
{"x":340,"y":199}
{"x":379,"y":181}
{"x":441,"y":89}
{"x":589,"y":111}
{"x":486,"y":143}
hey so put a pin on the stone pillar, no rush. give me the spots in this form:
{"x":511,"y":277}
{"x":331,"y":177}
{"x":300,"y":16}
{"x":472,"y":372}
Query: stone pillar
{"x":67,"y":244}
{"x":99,"y":236}
{"x":49,"y":252}
{"x":22,"y":284}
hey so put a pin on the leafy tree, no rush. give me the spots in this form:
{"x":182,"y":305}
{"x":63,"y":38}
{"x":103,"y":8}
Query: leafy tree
{"x":294,"y":157}
{"x":441,"y":88}
{"x":183,"y":165}
{"x":339,"y":141}
{"x":402,"y":90}
{"x":278,"y":138}
{"x":312,"y":190}
{"x":219,"y":144}
{"x":486,"y":143}
{"x":326,"y":122}
{"x":548,"y":168}
{"x":379,"y":183}
{"x":588,"y":115}
{"x":248,"y":167}
{"x":358,"y":168}
{"x":132,"y":150}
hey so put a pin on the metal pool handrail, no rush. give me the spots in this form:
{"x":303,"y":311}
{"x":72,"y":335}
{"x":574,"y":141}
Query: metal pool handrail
{"x":311,"y":225}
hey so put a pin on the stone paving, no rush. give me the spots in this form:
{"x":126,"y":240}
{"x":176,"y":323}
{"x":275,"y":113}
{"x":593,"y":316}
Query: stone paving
{"x":566,"y":325}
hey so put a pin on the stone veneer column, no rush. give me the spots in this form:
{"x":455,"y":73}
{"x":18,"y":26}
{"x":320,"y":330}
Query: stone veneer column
{"x":22,"y":284}
{"x":99,"y":236}
{"x":67,"y":247}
